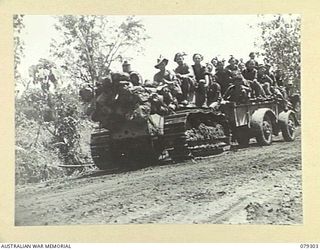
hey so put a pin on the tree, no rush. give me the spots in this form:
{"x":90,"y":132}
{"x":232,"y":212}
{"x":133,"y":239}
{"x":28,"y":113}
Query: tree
{"x":281,"y":44}
{"x":58,"y":111}
{"x":18,"y":26}
{"x":90,"y":44}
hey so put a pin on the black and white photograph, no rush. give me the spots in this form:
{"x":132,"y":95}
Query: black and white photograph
{"x":157,"y":119}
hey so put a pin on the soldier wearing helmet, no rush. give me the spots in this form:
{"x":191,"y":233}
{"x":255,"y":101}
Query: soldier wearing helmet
{"x":135,"y":77}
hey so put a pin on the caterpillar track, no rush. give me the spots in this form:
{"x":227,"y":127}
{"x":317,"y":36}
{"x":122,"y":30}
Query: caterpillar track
{"x":178,"y":127}
{"x":126,"y":154}
{"x":188,"y":133}
{"x":100,"y":150}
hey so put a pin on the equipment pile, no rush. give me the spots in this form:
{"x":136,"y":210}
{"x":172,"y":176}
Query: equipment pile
{"x":117,"y":99}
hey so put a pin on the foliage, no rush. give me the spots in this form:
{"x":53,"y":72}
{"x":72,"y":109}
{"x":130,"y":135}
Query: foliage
{"x":52,"y":118}
{"x":281,"y":44}
{"x":90,"y":44}
{"x":65,"y":124}
{"x":58,"y":110}
{"x":51,"y":127}
{"x":36,"y":159}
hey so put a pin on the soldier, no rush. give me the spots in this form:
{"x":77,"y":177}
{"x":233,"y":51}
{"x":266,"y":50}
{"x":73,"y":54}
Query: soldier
{"x":223,"y":76}
{"x":106,"y":95}
{"x":164,"y":75}
{"x":135,"y":77}
{"x":238,"y":92}
{"x":269,"y":73}
{"x":279,"y":83}
{"x":264,"y":79}
{"x":251,"y":75}
{"x":214,"y":62}
{"x":213,"y":89}
{"x":241,"y":66}
{"x":274,"y":88}
{"x":201,"y":85}
{"x":185,"y":74}
{"x":279,"y":77}
{"x":167,"y":83}
{"x":252,"y":57}
{"x":232,"y":67}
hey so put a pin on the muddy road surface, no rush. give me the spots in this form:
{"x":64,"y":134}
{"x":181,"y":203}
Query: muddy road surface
{"x":257,"y":185}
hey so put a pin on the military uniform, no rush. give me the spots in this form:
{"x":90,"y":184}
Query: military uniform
{"x":256,"y":64}
{"x":233,"y":69}
{"x":213,"y":90}
{"x":238,"y":92}
{"x":265,"y":81}
{"x":224,"y":78}
{"x":185,"y":76}
{"x":167,"y":81}
{"x":251,"y":76}
{"x":200,"y":90}
{"x":263,"y":78}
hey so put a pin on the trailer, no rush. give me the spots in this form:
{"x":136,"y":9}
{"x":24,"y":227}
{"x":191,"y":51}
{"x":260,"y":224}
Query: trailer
{"x":260,"y":120}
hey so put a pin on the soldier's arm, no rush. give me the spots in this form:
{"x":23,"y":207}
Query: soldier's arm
{"x":191,"y":72}
{"x":269,"y":80}
{"x":255,"y":74}
{"x":207,"y":80}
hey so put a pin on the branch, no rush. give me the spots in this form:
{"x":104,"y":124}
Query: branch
{"x":49,"y":130}
{"x":87,"y":53}
{"x":114,"y":53}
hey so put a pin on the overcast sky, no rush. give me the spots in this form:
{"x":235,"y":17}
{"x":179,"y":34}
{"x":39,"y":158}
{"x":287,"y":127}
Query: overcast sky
{"x":222,"y":35}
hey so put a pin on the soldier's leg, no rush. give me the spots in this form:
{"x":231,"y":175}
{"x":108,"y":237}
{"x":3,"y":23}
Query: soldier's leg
{"x":213,"y":93}
{"x":255,"y":89}
{"x":284,"y":93}
{"x":266,"y":88}
{"x":258,"y":90}
{"x":191,"y":94}
{"x":185,"y":88}
{"x":200,"y":95}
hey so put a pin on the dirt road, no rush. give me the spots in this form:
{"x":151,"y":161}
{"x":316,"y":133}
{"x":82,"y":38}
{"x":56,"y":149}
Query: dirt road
{"x":258,"y":185}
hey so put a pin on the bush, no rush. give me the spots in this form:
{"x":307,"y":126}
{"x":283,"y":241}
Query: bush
{"x":36,"y":160}
{"x":42,"y":144}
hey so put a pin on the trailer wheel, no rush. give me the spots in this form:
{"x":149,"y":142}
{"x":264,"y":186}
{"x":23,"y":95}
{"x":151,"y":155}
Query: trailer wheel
{"x":264,"y":133}
{"x":288,"y":126}
{"x":297,"y":108}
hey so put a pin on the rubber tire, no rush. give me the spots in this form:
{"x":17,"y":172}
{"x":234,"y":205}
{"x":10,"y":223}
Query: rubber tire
{"x":261,"y":137}
{"x":297,"y":108}
{"x":285,"y":126}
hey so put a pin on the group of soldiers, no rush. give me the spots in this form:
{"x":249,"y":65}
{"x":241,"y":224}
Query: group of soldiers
{"x":197,"y":85}
{"x":200,"y":85}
